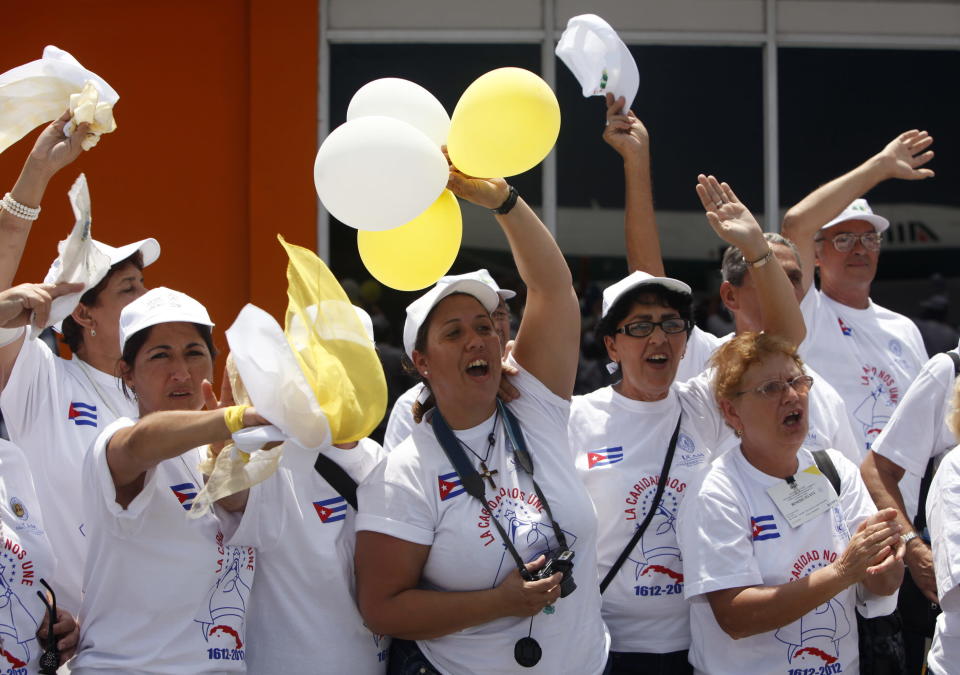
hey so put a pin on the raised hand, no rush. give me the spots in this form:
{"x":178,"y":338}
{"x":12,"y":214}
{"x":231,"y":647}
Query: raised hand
{"x":489,"y":193}
{"x":53,"y":149}
{"x":623,"y":131}
{"x":729,"y":218}
{"x":904,"y":156}
{"x":30,"y":303}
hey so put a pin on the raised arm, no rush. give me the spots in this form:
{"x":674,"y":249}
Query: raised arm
{"x":627,"y":135}
{"x":548,"y":340}
{"x":903,"y":158}
{"x":133,"y":450}
{"x":52,"y":151}
{"x":734,"y":223}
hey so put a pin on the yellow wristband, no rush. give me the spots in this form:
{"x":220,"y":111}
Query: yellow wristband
{"x":233,"y":417}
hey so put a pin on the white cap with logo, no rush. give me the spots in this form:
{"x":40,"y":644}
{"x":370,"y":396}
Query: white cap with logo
{"x":859,"y":209}
{"x":614,"y":292}
{"x":160,"y":305}
{"x":479,"y":284}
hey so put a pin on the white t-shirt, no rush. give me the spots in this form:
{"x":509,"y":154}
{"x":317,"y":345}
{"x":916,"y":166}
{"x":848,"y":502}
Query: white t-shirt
{"x":303,"y":613}
{"x":732,"y":534}
{"x":700,"y":347}
{"x":54,"y":409}
{"x":870,"y":356}
{"x":918,"y":429}
{"x":164,"y":593}
{"x":25,"y":558}
{"x":620,"y":446}
{"x":401,"y":421}
{"x":943,"y":516}
{"x":415,"y":495}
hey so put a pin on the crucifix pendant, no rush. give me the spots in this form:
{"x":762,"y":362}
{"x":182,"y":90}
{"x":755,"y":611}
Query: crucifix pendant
{"x":487,"y":475}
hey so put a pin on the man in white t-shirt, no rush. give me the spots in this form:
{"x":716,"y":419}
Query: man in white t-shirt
{"x":868,"y":353}
{"x":401,"y":421}
{"x":894,"y":468}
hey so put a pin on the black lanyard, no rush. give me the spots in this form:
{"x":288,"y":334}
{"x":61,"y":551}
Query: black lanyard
{"x":472,"y":482}
{"x":657,"y":496}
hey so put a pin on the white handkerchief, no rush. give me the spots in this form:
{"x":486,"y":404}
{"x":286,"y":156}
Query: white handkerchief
{"x":598,"y":58}
{"x":79,"y":260}
{"x":38,"y":92}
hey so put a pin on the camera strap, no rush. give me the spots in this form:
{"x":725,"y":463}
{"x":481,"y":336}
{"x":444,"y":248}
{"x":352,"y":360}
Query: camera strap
{"x":473,"y":484}
{"x":657,"y":496}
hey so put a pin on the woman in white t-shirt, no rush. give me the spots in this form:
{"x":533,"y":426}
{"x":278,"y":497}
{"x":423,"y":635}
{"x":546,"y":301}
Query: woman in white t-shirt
{"x":621,"y":435}
{"x":163,"y":592}
{"x":55,"y":408}
{"x":774,"y":561}
{"x":432,"y":566}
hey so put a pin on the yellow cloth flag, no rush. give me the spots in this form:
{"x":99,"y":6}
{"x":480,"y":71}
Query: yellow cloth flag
{"x":331,"y":346}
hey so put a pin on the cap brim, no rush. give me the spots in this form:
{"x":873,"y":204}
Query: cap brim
{"x":507,"y":294}
{"x":880,"y":224}
{"x":149,"y":249}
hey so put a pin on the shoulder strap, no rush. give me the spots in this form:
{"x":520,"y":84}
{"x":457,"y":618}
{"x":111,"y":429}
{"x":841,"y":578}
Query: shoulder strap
{"x":657,"y":496}
{"x":955,"y":357}
{"x":339,"y":479}
{"x":827,"y":468}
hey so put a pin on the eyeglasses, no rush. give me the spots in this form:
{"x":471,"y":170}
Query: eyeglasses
{"x":845,"y":241}
{"x":50,"y":659}
{"x":776,"y":388}
{"x":641,"y":329}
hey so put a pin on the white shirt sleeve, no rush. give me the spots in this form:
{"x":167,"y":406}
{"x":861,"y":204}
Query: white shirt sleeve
{"x":33,"y":390}
{"x":122,"y":521}
{"x":943,"y":516}
{"x":917,"y":430}
{"x":393,"y":498}
{"x":698,"y":394}
{"x":715,"y":540}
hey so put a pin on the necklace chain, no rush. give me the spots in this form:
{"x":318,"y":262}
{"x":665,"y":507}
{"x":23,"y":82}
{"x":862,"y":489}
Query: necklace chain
{"x":491,"y":441}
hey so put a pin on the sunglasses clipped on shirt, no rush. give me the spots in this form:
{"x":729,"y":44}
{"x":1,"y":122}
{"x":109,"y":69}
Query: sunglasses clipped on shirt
{"x":845,"y":241}
{"x":642,"y":329}
{"x":776,"y":388}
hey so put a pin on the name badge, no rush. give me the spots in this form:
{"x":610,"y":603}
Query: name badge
{"x":802,"y":500}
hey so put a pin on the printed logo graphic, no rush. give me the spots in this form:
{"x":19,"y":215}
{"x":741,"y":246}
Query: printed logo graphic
{"x":688,"y":451}
{"x":878,"y":405}
{"x":450,"y":486}
{"x":222,"y":619}
{"x":83,"y":414}
{"x":764,"y":527}
{"x":604,"y":457}
{"x":658,"y":551}
{"x":844,"y":328}
{"x":185,"y":492}
{"x":895,"y":347}
{"x":18,"y":509}
{"x":18,"y":626}
{"x":814,"y":638}
{"x":331,"y":510}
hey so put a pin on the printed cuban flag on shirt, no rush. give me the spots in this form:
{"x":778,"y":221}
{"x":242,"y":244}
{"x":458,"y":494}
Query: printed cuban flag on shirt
{"x":331,"y":510}
{"x":764,"y":527}
{"x":450,"y":486}
{"x":604,"y":457}
{"x":185,"y":492}
{"x":82,"y":414}
{"x":844,"y":328}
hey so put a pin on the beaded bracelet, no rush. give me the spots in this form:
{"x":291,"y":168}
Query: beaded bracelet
{"x":22,"y":211}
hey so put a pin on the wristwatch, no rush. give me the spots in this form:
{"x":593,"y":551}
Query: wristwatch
{"x":761,"y":261}
{"x":907,"y":538}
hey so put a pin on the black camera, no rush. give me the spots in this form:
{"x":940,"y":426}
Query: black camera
{"x":563,"y":563}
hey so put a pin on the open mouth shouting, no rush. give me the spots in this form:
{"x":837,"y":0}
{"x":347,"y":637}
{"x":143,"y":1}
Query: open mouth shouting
{"x":478,"y":368}
{"x":793,"y":420}
{"x":658,"y":360}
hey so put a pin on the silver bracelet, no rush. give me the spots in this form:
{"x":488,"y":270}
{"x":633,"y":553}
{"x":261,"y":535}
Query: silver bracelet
{"x":11,"y":205}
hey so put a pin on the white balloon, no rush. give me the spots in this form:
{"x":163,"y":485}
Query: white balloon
{"x":403,"y":100}
{"x":376,"y":173}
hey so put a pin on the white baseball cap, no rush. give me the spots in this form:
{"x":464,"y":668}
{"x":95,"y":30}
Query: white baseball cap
{"x":160,"y":305}
{"x":614,"y":292}
{"x":149,"y":248}
{"x":479,"y":284}
{"x":860,"y":210}
{"x":599,"y":59}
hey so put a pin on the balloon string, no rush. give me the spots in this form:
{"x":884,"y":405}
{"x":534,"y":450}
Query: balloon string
{"x":530,"y":631}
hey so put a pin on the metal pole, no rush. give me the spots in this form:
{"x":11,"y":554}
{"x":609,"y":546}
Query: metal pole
{"x":548,"y":70}
{"x":323,"y":123}
{"x":771,"y":134}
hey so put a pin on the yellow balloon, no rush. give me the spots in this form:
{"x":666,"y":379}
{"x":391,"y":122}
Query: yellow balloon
{"x":416,"y":254}
{"x":505,"y":123}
